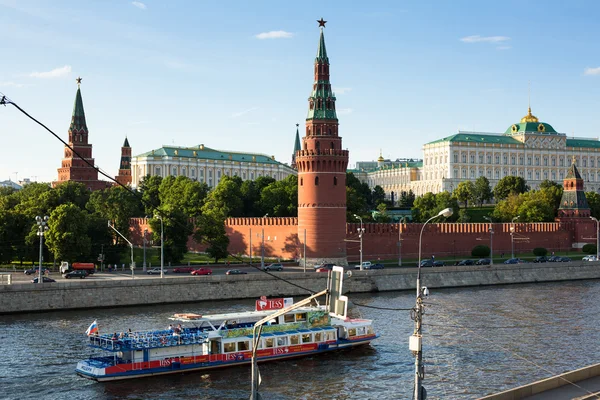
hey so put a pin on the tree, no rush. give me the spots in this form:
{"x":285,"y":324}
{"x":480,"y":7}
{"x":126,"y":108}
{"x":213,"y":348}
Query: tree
{"x":482,"y":191}
{"x":149,"y":188}
{"x":508,"y":208}
{"x":182,"y":193}
{"x":593,"y":200}
{"x":117,"y":205}
{"x":535,"y":209}
{"x":381,"y":215}
{"x":445,"y":200}
{"x":212,"y":232}
{"x":510,"y":184}
{"x":355,"y":204}
{"x":280,"y":199}
{"x":551,"y":192}
{"x":407,"y":199}
{"x":177,"y":229}
{"x":423,"y":207}
{"x":361,"y":189}
{"x":465,"y":192}
{"x":67,"y":235}
{"x":225,"y":197}
{"x":377,"y":195}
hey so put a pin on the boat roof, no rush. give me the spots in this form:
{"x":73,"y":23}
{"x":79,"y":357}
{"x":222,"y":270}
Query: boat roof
{"x":237,"y":316}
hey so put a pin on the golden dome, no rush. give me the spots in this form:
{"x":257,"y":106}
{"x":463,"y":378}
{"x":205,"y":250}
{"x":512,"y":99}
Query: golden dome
{"x":529,"y":117}
{"x":380,"y":159}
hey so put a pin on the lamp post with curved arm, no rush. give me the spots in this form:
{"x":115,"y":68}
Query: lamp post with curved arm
{"x":42,"y":223}
{"x":512,"y":237}
{"x":597,"y":238}
{"x":415,"y":340}
{"x":491,"y":239}
{"x":400,"y":222}
{"x":361,"y":230}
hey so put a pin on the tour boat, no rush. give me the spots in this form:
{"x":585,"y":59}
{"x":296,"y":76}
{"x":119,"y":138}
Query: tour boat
{"x":221,"y":340}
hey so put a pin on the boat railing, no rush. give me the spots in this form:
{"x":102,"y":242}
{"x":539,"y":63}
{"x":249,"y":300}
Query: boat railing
{"x":146,"y":340}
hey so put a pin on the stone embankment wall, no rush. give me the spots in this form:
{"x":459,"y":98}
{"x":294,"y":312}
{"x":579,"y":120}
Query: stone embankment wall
{"x":28,"y":297}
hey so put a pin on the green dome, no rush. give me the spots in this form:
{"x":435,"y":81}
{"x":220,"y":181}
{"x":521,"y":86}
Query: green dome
{"x":539,"y":127}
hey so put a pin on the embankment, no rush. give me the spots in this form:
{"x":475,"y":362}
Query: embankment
{"x":28,"y":297}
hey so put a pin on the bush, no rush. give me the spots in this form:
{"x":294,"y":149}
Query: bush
{"x":540,"y":251}
{"x":480,"y":251}
{"x":589,"y":248}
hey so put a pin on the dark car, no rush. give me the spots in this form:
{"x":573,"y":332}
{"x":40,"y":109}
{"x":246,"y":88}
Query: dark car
{"x":466,"y":262}
{"x":565,"y":259}
{"x":45,"y":279}
{"x":427,"y":263}
{"x":183,"y":270}
{"x":273,"y":267}
{"x":483,"y":261}
{"x":376,"y":266}
{"x":554,"y":259}
{"x":76,"y":274}
{"x":540,"y":259}
{"x":514,"y":261}
{"x":235,"y":272}
{"x":36,"y":271}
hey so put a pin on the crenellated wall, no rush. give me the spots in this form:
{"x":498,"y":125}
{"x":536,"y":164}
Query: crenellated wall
{"x":380,"y":241}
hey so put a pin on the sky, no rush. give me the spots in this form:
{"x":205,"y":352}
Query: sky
{"x":236,"y":75}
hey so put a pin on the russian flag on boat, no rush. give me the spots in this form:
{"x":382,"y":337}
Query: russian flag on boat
{"x":93,"y":329}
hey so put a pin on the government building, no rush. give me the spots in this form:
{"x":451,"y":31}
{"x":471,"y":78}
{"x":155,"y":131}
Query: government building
{"x":205,"y":165}
{"x":530,"y":149}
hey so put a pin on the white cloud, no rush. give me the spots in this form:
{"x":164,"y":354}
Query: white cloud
{"x":341,"y":90}
{"x":13,"y":84}
{"x":139,"y":5}
{"x":55,"y":73}
{"x":239,"y":114}
{"x":275,"y":35}
{"x":487,"y":39}
{"x":344,"y":111}
{"x":592,"y":71}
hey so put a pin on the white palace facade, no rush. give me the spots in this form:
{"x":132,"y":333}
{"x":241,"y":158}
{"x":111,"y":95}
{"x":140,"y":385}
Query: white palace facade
{"x":205,"y":165}
{"x":530,"y":149}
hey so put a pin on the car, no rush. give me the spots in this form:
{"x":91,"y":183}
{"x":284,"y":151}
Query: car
{"x":155,"y":271}
{"x":45,"y":279}
{"x":557,"y":258}
{"x":466,"y":262}
{"x":235,"y":272}
{"x":75,"y":274}
{"x":586,"y":258}
{"x":183,"y":270}
{"x":34,"y":271}
{"x":322,"y":269}
{"x":483,"y":261}
{"x":365,"y":265}
{"x":514,"y":261}
{"x":439,"y":263}
{"x":427,"y":263}
{"x":540,"y":259}
{"x":376,"y":266}
{"x":565,"y":259}
{"x":326,"y":266}
{"x":273,"y":267}
{"x":202,"y":271}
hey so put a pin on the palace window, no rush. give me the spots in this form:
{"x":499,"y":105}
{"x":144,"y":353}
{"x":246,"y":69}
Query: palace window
{"x":553,"y":162}
{"x":537,"y":175}
{"x":505,"y":173}
{"x":585,"y":162}
{"x":505,"y":159}
{"x":561,"y":162}
{"x":481,"y":159}
{"x":193,"y":173}
{"x":553,"y":175}
{"x":521,"y":160}
{"x":251,"y":176}
{"x":546,"y":175}
{"x":210,"y":182}
{"x":528,"y":174}
{"x":174,"y":171}
{"x":157,"y":171}
{"x":472,"y":159}
{"x":592,"y":162}
{"x":456,"y":173}
{"x":545,"y":161}
{"x":218,"y":175}
{"x":497,"y":159}
{"x":489,"y":174}
{"x":562,"y":175}
{"x":513,"y":160}
{"x":528,"y":160}
{"x":183,"y":172}
{"x":455,"y":157}
{"x":201,"y":173}
{"x":464,"y":173}
{"x":497,"y":174}
{"x":537,"y":161}
{"x":464,"y":158}
{"x":489,"y":159}
{"x":521,"y":174}
{"x":472,"y":173}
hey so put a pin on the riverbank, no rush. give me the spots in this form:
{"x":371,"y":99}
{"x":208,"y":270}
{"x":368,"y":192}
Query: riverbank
{"x":67,"y":295}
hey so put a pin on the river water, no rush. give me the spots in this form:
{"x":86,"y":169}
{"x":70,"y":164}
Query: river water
{"x":476,"y":341}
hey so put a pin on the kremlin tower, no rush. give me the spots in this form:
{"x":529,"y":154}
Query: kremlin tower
{"x":296,"y":147}
{"x":124,"y":176}
{"x":74,"y":168}
{"x":321,"y":165}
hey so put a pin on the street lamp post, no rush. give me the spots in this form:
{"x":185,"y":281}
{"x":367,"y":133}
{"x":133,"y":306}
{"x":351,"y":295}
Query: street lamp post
{"x":162,"y":246}
{"x":361,"y":230}
{"x":130,"y":245}
{"x":491,"y":230}
{"x":402,"y":219}
{"x":512,"y":237}
{"x":597,"y":238}
{"x":415,"y":340}
{"x":262,"y":246}
{"x":42,"y":223}
{"x":145,"y":233}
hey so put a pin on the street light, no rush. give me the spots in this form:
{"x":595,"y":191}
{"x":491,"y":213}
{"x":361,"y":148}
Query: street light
{"x":42,"y":223}
{"x":361,"y":230}
{"x":512,"y":237}
{"x":597,"y":239}
{"x":400,"y":221}
{"x":145,"y":233}
{"x":162,"y":246}
{"x":415,"y":340}
{"x":491,"y":239}
{"x":262,"y":250}
{"x":130,"y":245}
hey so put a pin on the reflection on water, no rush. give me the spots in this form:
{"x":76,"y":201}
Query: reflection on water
{"x":474,"y":338}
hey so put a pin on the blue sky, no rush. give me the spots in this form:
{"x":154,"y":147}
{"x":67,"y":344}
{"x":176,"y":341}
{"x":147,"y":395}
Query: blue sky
{"x":236,"y":75}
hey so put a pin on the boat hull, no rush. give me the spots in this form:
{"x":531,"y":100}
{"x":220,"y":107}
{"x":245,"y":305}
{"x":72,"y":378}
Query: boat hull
{"x":201,"y":363}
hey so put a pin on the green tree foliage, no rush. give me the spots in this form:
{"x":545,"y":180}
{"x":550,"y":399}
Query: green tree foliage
{"x":280,"y":198}
{"x":407,"y":199}
{"x":465,"y":192}
{"x":183,"y":194}
{"x":540,"y":251}
{"x":361,"y":188}
{"x":482,"y":191}
{"x":149,"y":188}
{"x":117,"y":205}
{"x":593,"y":200}
{"x":67,"y":237}
{"x":551,"y":192}
{"x":377,"y":196}
{"x":212,"y":233}
{"x":430,"y":205}
{"x":177,"y":228}
{"x":355,"y":204}
{"x":533,"y":206}
{"x":480,"y":251}
{"x":381,"y":215}
{"x":226,"y":197}
{"x":510,"y":185}
{"x":589,"y":248}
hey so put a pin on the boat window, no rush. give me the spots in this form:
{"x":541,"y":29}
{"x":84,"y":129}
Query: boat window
{"x":289,"y":318}
{"x":229,"y":347}
{"x":318,"y":337}
{"x":269,"y":342}
{"x":243,"y":346}
{"x":301,"y":317}
{"x":330,"y":335}
{"x":260,"y":345}
{"x":306,"y":338}
{"x":352,"y":332}
{"x":282,"y":341}
{"x":360,"y":331}
{"x":370,"y":330}
{"x":294,"y":339}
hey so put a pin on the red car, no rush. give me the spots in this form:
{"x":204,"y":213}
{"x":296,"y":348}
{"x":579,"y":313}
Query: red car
{"x":202,"y":271}
{"x":322,"y":269}
{"x":183,"y":270}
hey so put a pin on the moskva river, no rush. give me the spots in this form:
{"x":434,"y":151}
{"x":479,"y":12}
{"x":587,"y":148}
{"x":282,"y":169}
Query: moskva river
{"x":476,"y":341}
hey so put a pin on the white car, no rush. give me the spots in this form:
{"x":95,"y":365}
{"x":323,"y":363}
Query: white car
{"x":589,"y":258}
{"x":155,"y":271}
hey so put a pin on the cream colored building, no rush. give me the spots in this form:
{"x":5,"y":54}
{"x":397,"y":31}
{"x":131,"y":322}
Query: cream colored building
{"x":530,"y":149}
{"x":205,"y":165}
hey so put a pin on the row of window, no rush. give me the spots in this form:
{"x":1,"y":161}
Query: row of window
{"x":280,"y":341}
{"x":588,"y":176}
{"x":531,"y":160}
{"x":335,"y":181}
{"x":184,"y":172}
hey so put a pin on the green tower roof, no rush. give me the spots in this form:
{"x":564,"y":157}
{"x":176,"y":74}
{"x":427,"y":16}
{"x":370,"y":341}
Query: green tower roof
{"x":78,"y":117}
{"x":322,"y":51}
{"x":573,"y":172}
{"x":297,"y":143}
{"x":126,"y":143}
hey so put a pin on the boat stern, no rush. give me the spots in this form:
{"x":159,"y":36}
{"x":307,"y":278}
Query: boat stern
{"x":90,"y":370}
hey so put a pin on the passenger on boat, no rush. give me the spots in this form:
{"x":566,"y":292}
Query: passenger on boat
{"x":114,"y":336}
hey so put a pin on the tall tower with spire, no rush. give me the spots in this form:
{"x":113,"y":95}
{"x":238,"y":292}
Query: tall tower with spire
{"x":74,"y":168}
{"x":573,"y":203}
{"x":296,"y":147}
{"x":321,"y":165}
{"x":124,"y":176}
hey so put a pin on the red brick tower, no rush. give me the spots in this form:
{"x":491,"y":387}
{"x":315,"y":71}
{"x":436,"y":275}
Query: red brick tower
{"x":124,"y":176}
{"x":74,"y":168}
{"x":573,"y":203}
{"x":321,"y":165}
